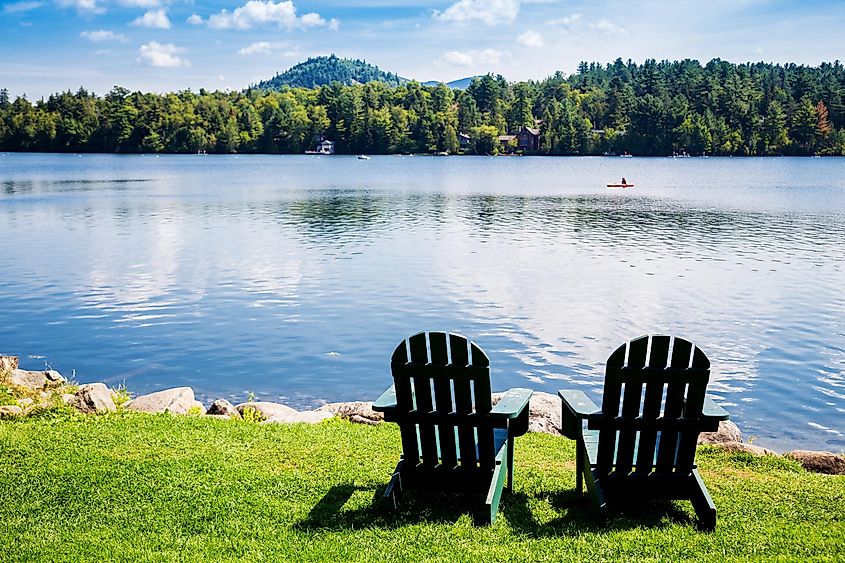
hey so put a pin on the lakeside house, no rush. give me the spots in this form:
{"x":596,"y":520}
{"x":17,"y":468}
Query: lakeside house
{"x":325,"y":147}
{"x":528,"y":139}
{"x":505,"y":142}
{"x":464,"y":141}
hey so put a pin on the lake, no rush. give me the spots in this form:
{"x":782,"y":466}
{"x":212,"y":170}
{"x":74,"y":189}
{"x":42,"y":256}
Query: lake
{"x":294,"y":277}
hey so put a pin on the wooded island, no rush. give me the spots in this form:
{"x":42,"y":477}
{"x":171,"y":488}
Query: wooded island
{"x":654,"y":108}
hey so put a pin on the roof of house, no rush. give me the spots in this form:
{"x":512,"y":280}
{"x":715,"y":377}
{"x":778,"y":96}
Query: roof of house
{"x":507,"y":137}
{"x":323,"y":142}
{"x":532,"y":130}
{"x":464,"y":136}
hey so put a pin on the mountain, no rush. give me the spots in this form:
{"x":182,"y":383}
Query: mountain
{"x":318,"y":71}
{"x":460,"y":84}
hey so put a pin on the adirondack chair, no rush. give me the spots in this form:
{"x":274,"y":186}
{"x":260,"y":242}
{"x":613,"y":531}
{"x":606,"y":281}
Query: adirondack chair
{"x":452,"y":435}
{"x":648,"y":449}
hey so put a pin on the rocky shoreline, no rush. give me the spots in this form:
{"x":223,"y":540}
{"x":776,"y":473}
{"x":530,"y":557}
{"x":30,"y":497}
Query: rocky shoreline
{"x":37,"y":391}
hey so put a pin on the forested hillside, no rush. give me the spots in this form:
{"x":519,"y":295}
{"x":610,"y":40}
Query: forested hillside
{"x":655,"y":108}
{"x":320,"y":71}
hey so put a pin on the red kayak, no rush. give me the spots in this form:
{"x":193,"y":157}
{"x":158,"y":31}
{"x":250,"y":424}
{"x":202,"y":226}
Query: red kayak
{"x":620,"y":185}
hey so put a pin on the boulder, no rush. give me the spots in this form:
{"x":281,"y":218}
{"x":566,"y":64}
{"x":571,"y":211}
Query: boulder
{"x":266,"y":409}
{"x":355,"y":411}
{"x":8,"y":411}
{"x":94,"y":398}
{"x":176,"y":401}
{"x":819,"y":462}
{"x":223,"y":407}
{"x":8,"y":363}
{"x":310,"y":417}
{"x":742,"y":448}
{"x":70,"y":400}
{"x":198,"y":407}
{"x":36,"y":380}
{"x":25,"y":402}
{"x":727,"y":432}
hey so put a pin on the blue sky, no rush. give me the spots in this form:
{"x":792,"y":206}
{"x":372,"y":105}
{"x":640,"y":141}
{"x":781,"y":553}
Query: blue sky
{"x":165,"y":45}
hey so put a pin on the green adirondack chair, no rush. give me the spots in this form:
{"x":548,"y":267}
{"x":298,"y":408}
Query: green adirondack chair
{"x":453,"y":438}
{"x":646,"y":450}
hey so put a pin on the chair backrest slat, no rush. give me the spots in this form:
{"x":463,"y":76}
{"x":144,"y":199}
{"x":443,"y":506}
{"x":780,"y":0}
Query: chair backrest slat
{"x":658,"y":359}
{"x":443,"y":399}
{"x":631,"y":399}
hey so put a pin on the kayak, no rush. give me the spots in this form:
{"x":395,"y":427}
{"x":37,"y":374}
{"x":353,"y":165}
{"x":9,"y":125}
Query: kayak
{"x":620,"y":185}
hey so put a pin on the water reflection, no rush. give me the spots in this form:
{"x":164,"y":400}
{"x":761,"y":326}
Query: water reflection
{"x":235,"y":278}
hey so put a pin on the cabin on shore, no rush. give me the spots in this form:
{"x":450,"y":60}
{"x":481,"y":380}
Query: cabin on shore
{"x":528,"y":139}
{"x":325,"y":147}
{"x":506,"y":141}
{"x":464,"y":141}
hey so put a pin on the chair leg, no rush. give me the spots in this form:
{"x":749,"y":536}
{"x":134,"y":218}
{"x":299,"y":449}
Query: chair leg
{"x":705,"y":510}
{"x":394,"y":488}
{"x":579,"y":469}
{"x":509,"y":485}
{"x":494,"y":494}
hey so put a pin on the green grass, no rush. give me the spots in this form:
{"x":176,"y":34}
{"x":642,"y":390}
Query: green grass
{"x":160,"y":488}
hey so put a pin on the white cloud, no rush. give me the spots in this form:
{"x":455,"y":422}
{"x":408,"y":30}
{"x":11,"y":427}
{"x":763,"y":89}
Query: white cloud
{"x":490,"y":12}
{"x":469,"y":58}
{"x":257,"y":13}
{"x":140,"y":3}
{"x":88,"y":6}
{"x":161,"y":55}
{"x":608,"y":28}
{"x":567,"y":21}
{"x":195,"y":19}
{"x":153,"y":18}
{"x":312,"y":20}
{"x":14,"y":7}
{"x":456,"y":58}
{"x":530,"y":39}
{"x":102,"y":35}
{"x":259,"y":48}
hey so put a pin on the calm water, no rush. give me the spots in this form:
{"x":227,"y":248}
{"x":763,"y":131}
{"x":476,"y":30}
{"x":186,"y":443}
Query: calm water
{"x":294,"y":277}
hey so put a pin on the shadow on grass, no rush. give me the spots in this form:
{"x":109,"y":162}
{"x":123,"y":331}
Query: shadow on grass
{"x":415,"y":507}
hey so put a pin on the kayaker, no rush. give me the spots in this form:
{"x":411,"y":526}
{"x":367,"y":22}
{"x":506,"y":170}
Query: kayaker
{"x":624,"y":182}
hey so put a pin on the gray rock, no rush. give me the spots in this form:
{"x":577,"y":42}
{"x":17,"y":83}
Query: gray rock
{"x":266,"y":409}
{"x":25,"y":402}
{"x":176,"y":401}
{"x":727,"y":432}
{"x":223,"y":407}
{"x":8,"y":363}
{"x":310,"y":417}
{"x":356,"y":411}
{"x":36,"y":380}
{"x":742,"y":448}
{"x":8,"y":411}
{"x":361,"y":420}
{"x":819,"y":462}
{"x":94,"y":398}
{"x":198,"y":407}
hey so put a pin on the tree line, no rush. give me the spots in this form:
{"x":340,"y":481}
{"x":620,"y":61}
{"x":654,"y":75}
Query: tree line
{"x":654,"y":108}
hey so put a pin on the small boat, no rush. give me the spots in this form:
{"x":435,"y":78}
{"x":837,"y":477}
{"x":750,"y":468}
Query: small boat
{"x":363,"y":157}
{"x":620,"y":185}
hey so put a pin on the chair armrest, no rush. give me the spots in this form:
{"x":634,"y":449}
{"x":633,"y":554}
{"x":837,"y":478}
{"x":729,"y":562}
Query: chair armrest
{"x":577,"y":406}
{"x":387,"y":401}
{"x":512,"y":403}
{"x":513,"y":408}
{"x":713,"y":411}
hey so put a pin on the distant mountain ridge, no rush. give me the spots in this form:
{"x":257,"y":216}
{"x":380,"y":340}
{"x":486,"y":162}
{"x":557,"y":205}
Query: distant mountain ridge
{"x":459,"y":84}
{"x":319,"y":71}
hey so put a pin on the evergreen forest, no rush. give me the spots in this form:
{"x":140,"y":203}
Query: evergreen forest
{"x":653,"y":108}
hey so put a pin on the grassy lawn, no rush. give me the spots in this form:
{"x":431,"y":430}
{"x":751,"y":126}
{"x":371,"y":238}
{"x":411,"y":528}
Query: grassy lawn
{"x":160,"y":488}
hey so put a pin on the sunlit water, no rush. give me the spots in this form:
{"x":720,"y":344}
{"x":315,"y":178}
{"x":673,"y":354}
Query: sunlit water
{"x":294,"y":277}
